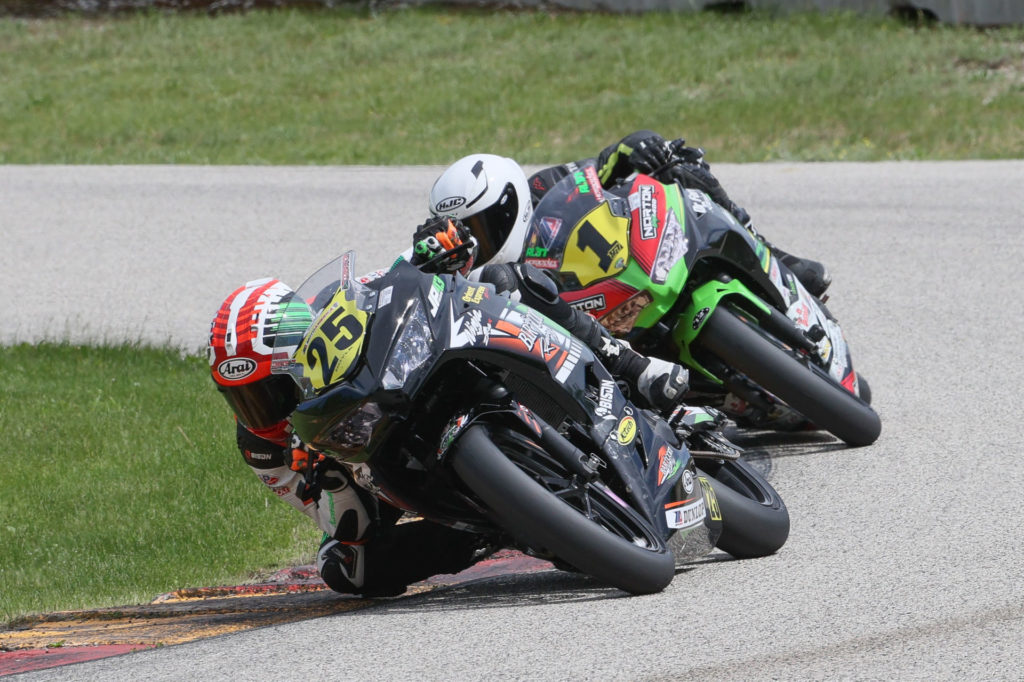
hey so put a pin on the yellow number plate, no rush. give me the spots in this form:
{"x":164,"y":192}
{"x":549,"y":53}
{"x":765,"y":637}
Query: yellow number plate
{"x":333,"y":345}
{"x":598,"y":247}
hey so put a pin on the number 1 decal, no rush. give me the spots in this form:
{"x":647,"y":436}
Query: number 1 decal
{"x":597,"y":249}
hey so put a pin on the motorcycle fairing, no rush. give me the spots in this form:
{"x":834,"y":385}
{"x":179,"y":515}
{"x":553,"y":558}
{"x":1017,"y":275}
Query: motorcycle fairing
{"x":767,"y":282}
{"x":604,"y":248}
{"x":703,"y":303}
{"x":486,"y":320}
{"x":601,"y":297}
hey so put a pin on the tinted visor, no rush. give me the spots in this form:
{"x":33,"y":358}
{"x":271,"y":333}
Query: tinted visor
{"x":492,"y":226}
{"x":264,"y":403}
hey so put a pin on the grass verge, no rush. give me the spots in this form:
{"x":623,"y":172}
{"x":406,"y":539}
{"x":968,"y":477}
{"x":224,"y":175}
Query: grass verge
{"x":428,"y":85}
{"x":121,"y":481}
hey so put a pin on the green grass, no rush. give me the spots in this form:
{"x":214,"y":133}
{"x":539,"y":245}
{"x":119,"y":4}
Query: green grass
{"x":428,"y":85}
{"x":121,"y":481}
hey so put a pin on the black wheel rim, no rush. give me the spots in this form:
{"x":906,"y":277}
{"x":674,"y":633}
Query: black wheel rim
{"x":593,"y":500}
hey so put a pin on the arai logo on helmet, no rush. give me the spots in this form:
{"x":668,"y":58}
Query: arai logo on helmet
{"x":235,"y":369}
{"x":449,"y":204}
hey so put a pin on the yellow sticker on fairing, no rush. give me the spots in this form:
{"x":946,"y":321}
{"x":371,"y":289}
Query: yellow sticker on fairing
{"x":598,"y":247}
{"x":627,"y":430}
{"x":334,"y":342}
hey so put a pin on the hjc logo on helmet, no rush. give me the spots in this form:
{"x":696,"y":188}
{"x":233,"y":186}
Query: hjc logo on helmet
{"x":235,"y":369}
{"x":449,"y":204}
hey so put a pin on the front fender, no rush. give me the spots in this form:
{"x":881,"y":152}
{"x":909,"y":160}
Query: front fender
{"x":703,"y":303}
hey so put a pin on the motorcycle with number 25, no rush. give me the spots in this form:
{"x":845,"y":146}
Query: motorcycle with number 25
{"x":451,"y":402}
{"x":680,"y":278}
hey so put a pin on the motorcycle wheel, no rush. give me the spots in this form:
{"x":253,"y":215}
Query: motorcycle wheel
{"x":742,"y":345}
{"x":755,"y":521}
{"x":536,"y":500}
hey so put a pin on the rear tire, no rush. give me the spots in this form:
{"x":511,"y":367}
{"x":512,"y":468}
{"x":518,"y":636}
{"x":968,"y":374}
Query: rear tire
{"x":536,"y":505}
{"x":805,"y":388}
{"x":755,"y":521}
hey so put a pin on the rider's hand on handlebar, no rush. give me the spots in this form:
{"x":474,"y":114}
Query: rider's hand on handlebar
{"x":319,"y":471}
{"x":650,"y":155}
{"x":439,"y":235}
{"x":691,"y":155}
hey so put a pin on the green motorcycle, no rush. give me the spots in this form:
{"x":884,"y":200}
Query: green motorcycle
{"x":680,"y":278}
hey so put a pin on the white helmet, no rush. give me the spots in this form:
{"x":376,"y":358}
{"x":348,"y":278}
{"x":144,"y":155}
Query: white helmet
{"x":490,"y":196}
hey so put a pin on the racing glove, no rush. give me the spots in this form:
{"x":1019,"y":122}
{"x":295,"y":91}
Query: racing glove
{"x":441,"y":235}
{"x":693,"y":172}
{"x":321,"y":473}
{"x":650,"y":155}
{"x":683,"y":154}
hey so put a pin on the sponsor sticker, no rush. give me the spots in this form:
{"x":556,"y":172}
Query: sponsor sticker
{"x":627,"y":430}
{"x":434,"y":297}
{"x":648,"y":213}
{"x":594,"y":182}
{"x":543,"y":263}
{"x":686,"y":515}
{"x":589,"y":303}
{"x":604,"y":400}
{"x":474,"y":294}
{"x":688,"y":481}
{"x":667,"y":464}
{"x":698,"y":319}
{"x":801,"y":315}
{"x":451,"y":431}
{"x":699,"y":201}
{"x":548,"y":228}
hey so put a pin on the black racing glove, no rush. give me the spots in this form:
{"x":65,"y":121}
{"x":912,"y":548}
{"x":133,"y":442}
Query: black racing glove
{"x":691,"y":171}
{"x":439,"y":236}
{"x":651,"y":155}
{"x":690,"y":155}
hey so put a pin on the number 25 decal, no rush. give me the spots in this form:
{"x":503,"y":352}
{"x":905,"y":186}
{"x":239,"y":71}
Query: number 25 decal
{"x":334,"y":345}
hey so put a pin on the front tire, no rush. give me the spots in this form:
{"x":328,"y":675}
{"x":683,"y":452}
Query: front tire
{"x":755,"y":521}
{"x":740,"y":345}
{"x":535,"y":500}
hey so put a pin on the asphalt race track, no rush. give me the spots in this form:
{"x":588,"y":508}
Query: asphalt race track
{"x":905,"y":560}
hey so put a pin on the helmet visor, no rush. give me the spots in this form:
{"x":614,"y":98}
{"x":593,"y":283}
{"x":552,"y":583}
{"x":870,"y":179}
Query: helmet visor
{"x":492,"y":226}
{"x":264,"y":403}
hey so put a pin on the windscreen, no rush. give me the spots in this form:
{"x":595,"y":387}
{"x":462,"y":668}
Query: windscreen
{"x":332,"y":310}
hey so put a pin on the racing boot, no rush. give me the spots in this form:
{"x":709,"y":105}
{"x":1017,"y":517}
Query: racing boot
{"x":813,"y":275}
{"x":660,"y":383}
{"x":342,"y":567}
{"x":703,"y":431}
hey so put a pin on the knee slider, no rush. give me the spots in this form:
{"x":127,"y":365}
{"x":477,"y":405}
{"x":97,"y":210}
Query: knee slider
{"x":341,"y":567}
